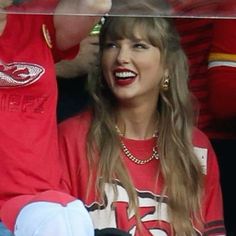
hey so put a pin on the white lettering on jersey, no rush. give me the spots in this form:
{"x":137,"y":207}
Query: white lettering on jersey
{"x":116,"y":214}
{"x":201,"y":154}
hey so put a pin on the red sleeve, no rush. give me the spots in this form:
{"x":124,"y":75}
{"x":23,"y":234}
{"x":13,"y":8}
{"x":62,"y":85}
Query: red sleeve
{"x":72,"y":151}
{"x":212,"y":203}
{"x":69,"y":162}
{"x":48,"y":6}
{"x":222,"y":70}
{"x":57,"y":53}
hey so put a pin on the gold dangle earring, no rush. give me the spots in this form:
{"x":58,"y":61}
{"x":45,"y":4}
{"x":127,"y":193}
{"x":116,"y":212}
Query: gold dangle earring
{"x":165,"y":83}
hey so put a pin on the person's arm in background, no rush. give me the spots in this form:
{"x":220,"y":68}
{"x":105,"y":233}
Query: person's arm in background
{"x":222,"y":70}
{"x":83,"y":63}
{"x":71,"y":27}
{"x":72,"y":76}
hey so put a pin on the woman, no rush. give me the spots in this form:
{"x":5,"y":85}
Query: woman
{"x":135,"y":158}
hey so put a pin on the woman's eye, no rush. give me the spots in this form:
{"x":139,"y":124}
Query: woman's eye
{"x":140,"y":46}
{"x":110,"y":45}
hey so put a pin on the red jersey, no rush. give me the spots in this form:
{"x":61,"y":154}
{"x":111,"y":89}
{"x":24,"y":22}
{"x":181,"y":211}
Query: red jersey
{"x":114,"y":213}
{"x":28,"y":97}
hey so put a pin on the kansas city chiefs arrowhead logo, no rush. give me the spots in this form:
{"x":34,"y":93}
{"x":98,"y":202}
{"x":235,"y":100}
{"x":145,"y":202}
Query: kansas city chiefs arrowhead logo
{"x":19,"y":74}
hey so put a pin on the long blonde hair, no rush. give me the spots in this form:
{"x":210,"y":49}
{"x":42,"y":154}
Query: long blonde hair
{"x":179,"y":166}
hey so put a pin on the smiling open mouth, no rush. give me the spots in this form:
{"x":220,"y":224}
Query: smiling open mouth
{"x":123,"y":78}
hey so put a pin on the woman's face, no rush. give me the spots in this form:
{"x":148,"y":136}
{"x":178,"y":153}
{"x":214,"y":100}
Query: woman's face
{"x":132,"y":68}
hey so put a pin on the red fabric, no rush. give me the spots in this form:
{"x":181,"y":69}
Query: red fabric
{"x":214,"y":89}
{"x":195,"y":7}
{"x":28,"y":98}
{"x":222,"y":79}
{"x":34,"y":6}
{"x":196,"y":36}
{"x":72,"y":140}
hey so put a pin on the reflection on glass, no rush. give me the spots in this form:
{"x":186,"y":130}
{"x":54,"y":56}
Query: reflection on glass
{"x":168,"y":8}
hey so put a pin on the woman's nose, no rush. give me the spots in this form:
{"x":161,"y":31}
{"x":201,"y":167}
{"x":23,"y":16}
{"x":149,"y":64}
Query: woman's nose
{"x":123,"y":56}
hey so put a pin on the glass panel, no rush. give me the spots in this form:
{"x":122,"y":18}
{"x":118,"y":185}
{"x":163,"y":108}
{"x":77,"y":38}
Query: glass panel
{"x":169,"y":8}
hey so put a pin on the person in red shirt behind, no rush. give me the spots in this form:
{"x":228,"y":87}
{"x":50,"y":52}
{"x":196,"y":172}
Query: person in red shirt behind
{"x":29,"y":46}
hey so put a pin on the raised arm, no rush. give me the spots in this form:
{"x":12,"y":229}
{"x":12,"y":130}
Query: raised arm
{"x":74,"y":19}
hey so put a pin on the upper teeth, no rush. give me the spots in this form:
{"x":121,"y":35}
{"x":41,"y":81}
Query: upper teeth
{"x":124,"y":74}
